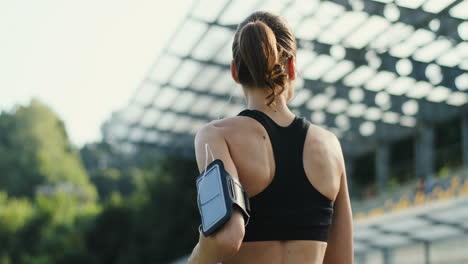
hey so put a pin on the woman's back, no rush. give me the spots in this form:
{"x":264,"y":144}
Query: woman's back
{"x":252,"y":152}
{"x":294,"y":175}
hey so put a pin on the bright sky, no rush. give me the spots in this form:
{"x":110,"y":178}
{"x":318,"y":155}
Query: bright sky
{"x":82,"y":58}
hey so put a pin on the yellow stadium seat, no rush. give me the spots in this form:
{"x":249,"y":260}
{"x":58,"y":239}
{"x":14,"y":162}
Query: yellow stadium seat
{"x":360,"y":216}
{"x":420,"y":198}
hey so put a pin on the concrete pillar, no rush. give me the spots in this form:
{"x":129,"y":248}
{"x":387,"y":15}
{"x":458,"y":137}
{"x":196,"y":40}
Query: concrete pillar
{"x":424,"y":151}
{"x":427,"y":252}
{"x":382,"y":165}
{"x":464,"y":132}
{"x":388,"y":257}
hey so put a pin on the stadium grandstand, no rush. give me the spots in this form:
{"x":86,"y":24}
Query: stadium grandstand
{"x":388,"y":77}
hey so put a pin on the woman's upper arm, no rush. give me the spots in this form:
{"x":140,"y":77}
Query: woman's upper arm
{"x":212,"y":137}
{"x":231,"y":234}
{"x":340,"y":242}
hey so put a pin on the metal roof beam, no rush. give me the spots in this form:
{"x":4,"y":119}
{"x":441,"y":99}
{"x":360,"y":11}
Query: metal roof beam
{"x":417,"y":18}
{"x":427,"y":110}
{"x":388,"y":62}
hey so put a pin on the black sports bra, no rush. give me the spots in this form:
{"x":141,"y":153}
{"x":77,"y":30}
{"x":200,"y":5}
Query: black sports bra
{"x":290,"y":208}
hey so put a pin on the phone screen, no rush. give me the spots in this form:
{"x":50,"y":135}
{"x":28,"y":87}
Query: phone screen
{"x":211,"y":199}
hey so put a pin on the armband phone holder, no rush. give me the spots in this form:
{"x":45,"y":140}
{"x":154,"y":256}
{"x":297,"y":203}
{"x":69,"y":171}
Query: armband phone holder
{"x":218,"y":193}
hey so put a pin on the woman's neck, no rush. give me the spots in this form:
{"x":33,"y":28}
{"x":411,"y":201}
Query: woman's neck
{"x":256,"y":100}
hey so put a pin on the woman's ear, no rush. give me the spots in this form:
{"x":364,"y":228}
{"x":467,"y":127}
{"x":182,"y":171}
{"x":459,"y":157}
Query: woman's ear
{"x":234,"y":72}
{"x":291,"y":68}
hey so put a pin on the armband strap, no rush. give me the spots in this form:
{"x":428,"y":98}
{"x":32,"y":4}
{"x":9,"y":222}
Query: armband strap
{"x":218,"y":194}
{"x":239,"y":197}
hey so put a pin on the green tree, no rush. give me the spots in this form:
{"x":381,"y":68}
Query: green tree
{"x":158,"y":223}
{"x":111,"y":170}
{"x":35,"y":151}
{"x":50,"y":229}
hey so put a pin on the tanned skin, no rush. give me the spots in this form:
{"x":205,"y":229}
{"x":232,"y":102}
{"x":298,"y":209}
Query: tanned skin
{"x":245,"y":149}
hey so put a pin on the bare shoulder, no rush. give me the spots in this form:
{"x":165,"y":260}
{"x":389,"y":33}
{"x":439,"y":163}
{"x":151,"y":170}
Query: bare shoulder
{"x":323,"y":137}
{"x":325,"y":143}
{"x":220,"y":128}
{"x":322,"y":152}
{"x":227,"y":126}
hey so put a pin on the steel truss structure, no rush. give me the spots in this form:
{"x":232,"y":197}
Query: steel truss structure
{"x":372,"y":71}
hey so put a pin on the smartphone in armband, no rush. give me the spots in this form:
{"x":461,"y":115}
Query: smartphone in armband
{"x":217,"y":194}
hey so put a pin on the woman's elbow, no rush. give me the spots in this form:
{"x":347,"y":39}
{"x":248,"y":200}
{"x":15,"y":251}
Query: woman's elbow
{"x":229,"y":247}
{"x":229,"y":238}
{"x":230,"y":241}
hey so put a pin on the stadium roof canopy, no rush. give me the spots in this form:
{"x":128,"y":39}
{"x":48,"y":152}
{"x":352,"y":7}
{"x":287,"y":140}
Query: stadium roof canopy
{"x":372,"y":70}
{"x":433,"y":222}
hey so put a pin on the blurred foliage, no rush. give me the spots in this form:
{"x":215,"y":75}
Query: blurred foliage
{"x":45,"y":229}
{"x":160,"y":219}
{"x":96,"y":205}
{"x":35,"y":150}
{"x":111,"y":170}
{"x":14,"y":213}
